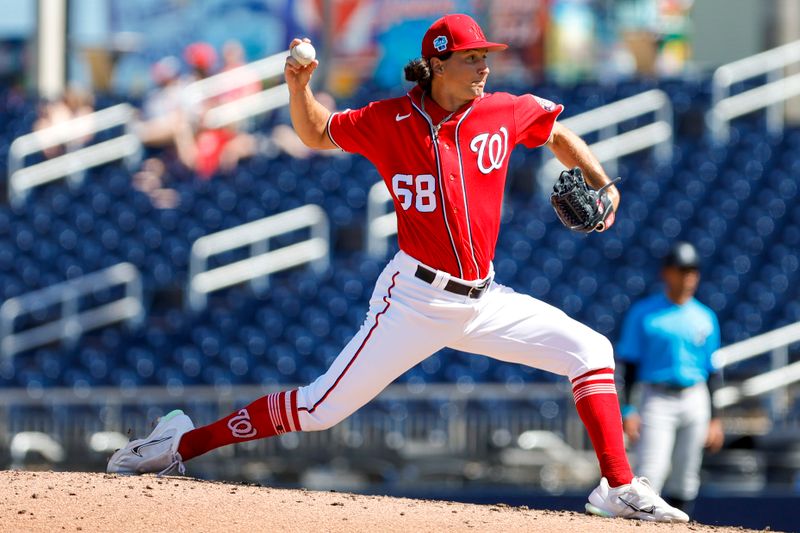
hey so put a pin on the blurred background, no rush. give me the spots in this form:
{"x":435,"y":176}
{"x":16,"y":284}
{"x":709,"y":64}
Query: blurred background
{"x":167,"y":241}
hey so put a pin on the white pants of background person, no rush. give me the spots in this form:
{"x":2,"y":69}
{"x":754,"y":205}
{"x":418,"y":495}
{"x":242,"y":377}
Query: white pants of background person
{"x":673,"y":433}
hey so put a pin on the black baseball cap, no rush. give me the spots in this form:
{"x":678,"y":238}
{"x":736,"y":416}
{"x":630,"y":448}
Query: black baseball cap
{"x":682,"y":255}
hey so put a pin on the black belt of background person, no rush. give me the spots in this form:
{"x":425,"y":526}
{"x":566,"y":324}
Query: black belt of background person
{"x":670,"y":387}
{"x":428,"y":276}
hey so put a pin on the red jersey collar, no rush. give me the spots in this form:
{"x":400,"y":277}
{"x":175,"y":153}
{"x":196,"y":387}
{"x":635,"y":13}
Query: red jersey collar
{"x":434,"y":110}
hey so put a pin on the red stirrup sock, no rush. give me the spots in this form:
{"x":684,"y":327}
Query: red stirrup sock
{"x":596,"y":401}
{"x":268,"y":416}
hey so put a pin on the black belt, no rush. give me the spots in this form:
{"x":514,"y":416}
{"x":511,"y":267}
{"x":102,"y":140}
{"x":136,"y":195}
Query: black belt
{"x":428,"y":276}
{"x":670,"y":387}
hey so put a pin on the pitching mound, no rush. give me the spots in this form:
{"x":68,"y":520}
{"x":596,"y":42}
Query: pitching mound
{"x":55,"y":501}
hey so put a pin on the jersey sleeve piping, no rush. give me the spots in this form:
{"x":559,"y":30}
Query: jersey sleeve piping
{"x":328,"y":131}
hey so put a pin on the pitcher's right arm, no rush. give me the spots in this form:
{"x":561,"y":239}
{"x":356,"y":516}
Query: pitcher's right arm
{"x":309,"y":117}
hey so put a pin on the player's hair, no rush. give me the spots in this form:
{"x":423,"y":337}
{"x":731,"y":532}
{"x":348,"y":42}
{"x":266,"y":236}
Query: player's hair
{"x":419,"y":71}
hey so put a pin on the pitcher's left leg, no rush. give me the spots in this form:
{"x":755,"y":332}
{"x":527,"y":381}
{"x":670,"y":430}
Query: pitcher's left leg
{"x":518,"y":328}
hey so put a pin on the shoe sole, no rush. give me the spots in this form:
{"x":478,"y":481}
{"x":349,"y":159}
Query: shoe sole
{"x":591,"y":509}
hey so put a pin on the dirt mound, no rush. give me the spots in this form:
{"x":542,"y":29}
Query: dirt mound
{"x":54,"y":501}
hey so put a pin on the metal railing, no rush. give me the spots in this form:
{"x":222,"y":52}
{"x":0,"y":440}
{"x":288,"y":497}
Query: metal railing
{"x":159,"y":395}
{"x":72,"y":320}
{"x":74,"y":162}
{"x":778,"y":88}
{"x":262,"y":261}
{"x":775,"y":381}
{"x":247,"y":106}
{"x":405,"y":421}
{"x":381,"y":220}
{"x":612,"y":144}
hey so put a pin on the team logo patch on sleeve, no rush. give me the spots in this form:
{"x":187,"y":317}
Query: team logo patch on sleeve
{"x":440,"y":43}
{"x":546,"y":104}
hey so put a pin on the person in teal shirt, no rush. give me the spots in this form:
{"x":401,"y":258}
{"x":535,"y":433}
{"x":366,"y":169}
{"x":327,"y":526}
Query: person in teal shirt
{"x":667,"y":344}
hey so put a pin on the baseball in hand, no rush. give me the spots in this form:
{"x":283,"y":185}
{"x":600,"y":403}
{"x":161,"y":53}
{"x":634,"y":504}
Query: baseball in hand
{"x":304,"y":53}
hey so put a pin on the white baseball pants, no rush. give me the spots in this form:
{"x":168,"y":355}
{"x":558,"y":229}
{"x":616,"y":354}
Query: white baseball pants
{"x":409,"y":319}
{"x":672,"y":437}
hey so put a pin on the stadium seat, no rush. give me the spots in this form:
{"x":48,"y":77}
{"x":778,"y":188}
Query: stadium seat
{"x":734,"y":202}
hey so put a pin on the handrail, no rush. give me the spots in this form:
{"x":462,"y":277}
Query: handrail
{"x":766,"y":342}
{"x":758,"y":385}
{"x":72,"y":322}
{"x":248,"y":106}
{"x":127,"y":146}
{"x":776,"y":342}
{"x":262,"y":260}
{"x":164,"y":395}
{"x":241,"y":108}
{"x":612,"y":144}
{"x":381,"y":220}
{"x":771,"y":95}
{"x":229,"y":80}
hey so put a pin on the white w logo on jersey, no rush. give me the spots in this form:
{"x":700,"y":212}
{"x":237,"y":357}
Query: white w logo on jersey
{"x":491,"y":150}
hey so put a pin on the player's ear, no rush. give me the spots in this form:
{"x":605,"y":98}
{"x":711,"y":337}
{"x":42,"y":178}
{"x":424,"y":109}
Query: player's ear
{"x":437,"y":66}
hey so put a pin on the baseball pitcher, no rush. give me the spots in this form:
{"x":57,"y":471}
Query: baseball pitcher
{"x":443,"y":152}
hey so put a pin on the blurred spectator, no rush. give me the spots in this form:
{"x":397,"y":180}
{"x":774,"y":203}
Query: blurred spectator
{"x":247,"y":83}
{"x":162,"y":108}
{"x":200,"y":148}
{"x":284,"y":139}
{"x":165,"y":114}
{"x":667,"y":344}
{"x":571,"y":40}
{"x":151,"y":181}
{"x":74,"y":103}
{"x":201,"y":58}
{"x":637,"y":25}
{"x":171,"y":120}
{"x":656,"y":33}
{"x":212,"y":149}
{"x":674,"y":36}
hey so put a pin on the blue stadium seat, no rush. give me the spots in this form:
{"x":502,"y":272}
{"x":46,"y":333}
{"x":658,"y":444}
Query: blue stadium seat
{"x":747,"y":231}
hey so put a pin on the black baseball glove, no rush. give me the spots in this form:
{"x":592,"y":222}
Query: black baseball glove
{"x":580,"y":207}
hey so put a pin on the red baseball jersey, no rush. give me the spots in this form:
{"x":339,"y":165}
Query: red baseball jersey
{"x":447,"y":187}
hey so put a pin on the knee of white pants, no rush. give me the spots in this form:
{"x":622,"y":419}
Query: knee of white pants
{"x":596,"y":352}
{"x":318,"y":416}
{"x":604,"y":352}
{"x":317,"y":421}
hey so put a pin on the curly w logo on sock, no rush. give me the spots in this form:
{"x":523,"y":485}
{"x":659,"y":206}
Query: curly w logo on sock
{"x":240,"y":425}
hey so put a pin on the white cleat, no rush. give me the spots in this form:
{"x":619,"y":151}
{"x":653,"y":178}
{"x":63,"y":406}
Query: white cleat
{"x":158,"y":453}
{"x":636,"y":500}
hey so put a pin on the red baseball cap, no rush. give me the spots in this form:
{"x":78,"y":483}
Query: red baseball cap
{"x":453,"y":33}
{"x":200,"y":55}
